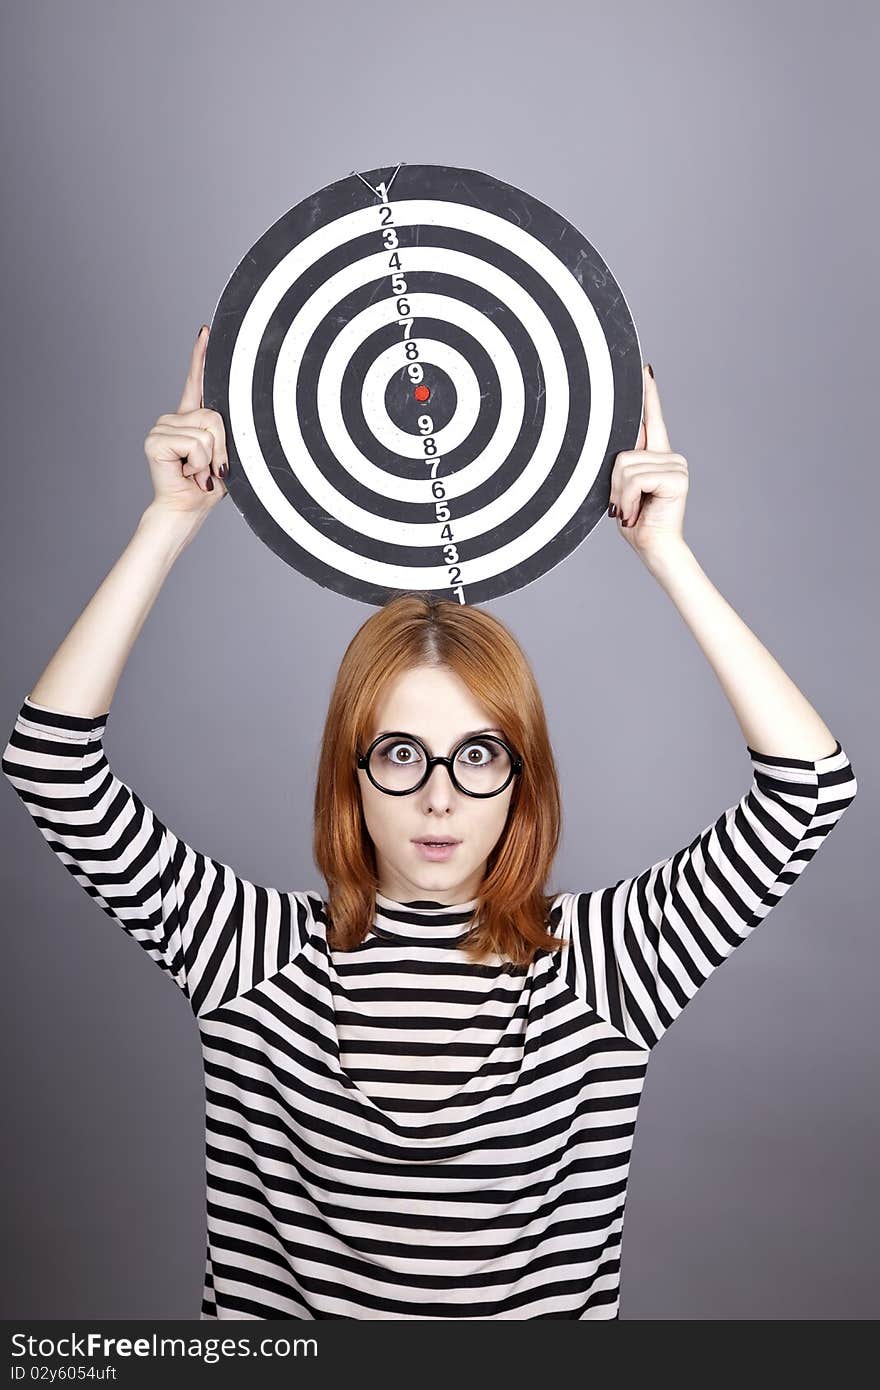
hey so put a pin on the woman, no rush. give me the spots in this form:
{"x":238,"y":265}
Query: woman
{"x":422,"y":1093}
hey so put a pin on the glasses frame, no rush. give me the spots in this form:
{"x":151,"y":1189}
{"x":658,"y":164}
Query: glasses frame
{"x":516,"y":763}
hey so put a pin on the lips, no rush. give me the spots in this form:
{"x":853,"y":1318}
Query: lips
{"x":437,"y":852}
{"x":425,"y":841}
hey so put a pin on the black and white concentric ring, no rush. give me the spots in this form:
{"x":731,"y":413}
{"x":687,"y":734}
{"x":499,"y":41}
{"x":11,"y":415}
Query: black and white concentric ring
{"x":526,"y":344}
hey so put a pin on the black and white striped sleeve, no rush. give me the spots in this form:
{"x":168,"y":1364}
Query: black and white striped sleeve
{"x":215,"y":934}
{"x":642,"y":948}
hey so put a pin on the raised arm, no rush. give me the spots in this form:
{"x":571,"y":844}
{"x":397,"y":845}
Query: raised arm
{"x":640,"y":950}
{"x":186,"y":452}
{"x":215,"y":934}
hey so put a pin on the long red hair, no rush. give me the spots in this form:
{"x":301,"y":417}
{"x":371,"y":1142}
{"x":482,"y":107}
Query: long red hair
{"x":415,"y":629}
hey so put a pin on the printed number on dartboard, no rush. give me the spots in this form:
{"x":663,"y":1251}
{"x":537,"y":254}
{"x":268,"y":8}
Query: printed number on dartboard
{"x":416,"y":374}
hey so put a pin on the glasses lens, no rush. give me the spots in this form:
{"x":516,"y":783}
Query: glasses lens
{"x":482,"y":766}
{"x":398,"y":765}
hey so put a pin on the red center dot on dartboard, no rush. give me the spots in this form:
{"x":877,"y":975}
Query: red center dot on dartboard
{"x":422,"y":393}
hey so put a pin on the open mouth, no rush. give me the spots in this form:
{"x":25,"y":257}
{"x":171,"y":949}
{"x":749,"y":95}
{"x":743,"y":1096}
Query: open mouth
{"x":436,"y":849}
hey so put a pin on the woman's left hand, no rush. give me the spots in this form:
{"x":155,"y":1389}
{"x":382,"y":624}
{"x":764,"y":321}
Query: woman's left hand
{"x":649,"y":484}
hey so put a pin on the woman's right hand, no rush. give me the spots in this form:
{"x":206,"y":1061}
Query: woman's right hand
{"x":186,"y":450}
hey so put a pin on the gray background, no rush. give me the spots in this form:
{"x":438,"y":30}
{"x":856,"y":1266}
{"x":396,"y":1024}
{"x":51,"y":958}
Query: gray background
{"x":718,"y":158}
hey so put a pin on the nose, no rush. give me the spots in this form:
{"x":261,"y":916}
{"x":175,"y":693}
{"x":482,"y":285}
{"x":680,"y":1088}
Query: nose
{"x":439,"y":783}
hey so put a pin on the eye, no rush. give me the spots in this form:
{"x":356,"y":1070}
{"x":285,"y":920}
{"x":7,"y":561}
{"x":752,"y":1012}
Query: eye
{"x":485,"y":754}
{"x":410,"y":753}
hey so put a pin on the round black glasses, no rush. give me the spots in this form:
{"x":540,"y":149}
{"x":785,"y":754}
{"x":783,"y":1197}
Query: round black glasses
{"x":398,"y":764}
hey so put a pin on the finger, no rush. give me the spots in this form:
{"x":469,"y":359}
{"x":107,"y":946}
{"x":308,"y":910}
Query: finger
{"x":613,"y":503}
{"x":630,"y":493}
{"x":635,"y":489}
{"x":213,"y":428}
{"x":634,"y":464}
{"x":191,"y":399}
{"x":194,"y":448}
{"x":655,"y":426}
{"x":200,"y":476}
{"x":190,"y":447}
{"x":207,"y":483}
{"x":197,"y":466}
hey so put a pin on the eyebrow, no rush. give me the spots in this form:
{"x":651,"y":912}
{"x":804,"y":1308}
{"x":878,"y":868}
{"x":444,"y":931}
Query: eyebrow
{"x":472,"y":733}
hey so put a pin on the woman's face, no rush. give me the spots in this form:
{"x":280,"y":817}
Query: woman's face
{"x":435,"y":705}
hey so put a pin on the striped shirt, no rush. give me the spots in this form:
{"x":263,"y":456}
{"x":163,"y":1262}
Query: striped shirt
{"x":393,"y":1131}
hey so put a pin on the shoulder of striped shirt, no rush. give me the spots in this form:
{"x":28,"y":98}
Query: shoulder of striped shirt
{"x":83,"y":728}
{"x":90,"y":728}
{"x":834,"y":768}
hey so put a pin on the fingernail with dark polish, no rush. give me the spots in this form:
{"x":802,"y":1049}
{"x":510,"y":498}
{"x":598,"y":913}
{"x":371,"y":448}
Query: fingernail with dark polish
{"x":650,"y":369}
{"x":612,"y":510}
{"x":210,"y":484}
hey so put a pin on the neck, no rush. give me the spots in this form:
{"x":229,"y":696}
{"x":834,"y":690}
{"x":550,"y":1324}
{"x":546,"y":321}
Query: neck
{"x":423,"y":919}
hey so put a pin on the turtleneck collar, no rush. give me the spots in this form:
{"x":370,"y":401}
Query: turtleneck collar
{"x":423,"y":919}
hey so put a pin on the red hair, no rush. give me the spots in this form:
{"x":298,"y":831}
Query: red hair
{"x":416,"y":629}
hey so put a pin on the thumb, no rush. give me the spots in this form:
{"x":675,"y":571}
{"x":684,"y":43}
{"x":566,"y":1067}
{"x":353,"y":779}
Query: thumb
{"x":191,"y":399}
{"x":655,"y":425}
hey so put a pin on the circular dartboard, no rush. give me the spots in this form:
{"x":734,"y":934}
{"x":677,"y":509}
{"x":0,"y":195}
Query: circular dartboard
{"x":425,"y":375}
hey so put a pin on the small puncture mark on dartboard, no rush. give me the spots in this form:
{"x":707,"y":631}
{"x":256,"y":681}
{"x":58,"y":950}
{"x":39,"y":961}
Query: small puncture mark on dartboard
{"x":422,"y":393}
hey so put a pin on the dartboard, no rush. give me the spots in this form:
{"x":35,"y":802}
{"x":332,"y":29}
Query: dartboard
{"x":425,"y":375}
